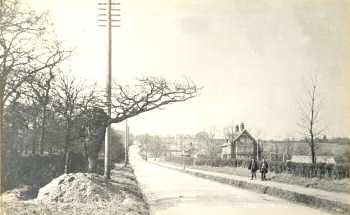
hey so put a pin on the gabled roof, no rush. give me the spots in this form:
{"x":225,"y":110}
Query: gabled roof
{"x":236,"y":136}
{"x":241,"y":133}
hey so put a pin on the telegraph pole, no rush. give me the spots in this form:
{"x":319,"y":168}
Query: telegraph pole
{"x":107,"y":172}
{"x":257,"y":150}
{"x":105,"y":10}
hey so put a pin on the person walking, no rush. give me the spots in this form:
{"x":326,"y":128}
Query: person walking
{"x":253,"y":166}
{"x":264,"y":169}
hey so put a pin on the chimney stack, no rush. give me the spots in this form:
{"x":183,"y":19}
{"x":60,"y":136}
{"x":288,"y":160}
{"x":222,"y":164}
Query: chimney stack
{"x":237,"y":128}
{"x":242,"y":126}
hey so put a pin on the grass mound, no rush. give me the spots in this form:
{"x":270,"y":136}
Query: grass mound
{"x":85,"y":193}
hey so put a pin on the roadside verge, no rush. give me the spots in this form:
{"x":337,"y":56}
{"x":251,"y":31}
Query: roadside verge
{"x":82,"y":193}
{"x":334,"y":202}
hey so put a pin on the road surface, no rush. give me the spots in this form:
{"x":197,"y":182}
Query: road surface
{"x":172,"y":192}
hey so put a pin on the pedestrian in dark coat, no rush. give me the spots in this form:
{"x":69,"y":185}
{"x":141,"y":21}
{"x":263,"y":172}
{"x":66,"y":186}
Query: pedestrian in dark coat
{"x":264,"y":169}
{"x":253,"y":166}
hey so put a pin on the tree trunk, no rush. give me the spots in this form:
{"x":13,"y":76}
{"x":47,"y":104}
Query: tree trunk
{"x":42,"y":137}
{"x":146,"y":158}
{"x":66,"y":146}
{"x":86,"y":154}
{"x":50,"y":146}
{"x":33,"y":146}
{"x":92,"y":163}
{"x":312,"y":125}
{"x":313,"y":154}
{"x":2,"y":150}
{"x":34,"y":137}
{"x":67,"y":162}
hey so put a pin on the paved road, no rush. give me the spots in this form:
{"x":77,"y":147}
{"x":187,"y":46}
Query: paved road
{"x":172,"y":192}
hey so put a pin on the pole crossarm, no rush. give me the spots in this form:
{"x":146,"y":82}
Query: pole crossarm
{"x":106,"y":3}
{"x":107,"y":10}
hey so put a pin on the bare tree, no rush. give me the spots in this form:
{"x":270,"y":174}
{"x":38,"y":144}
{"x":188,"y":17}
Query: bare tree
{"x":68,"y":93}
{"x":145,"y":140}
{"x":310,"y":118}
{"x":211,"y":145}
{"x":207,"y":140}
{"x":155,"y":146}
{"x":16,"y":126}
{"x":229,"y":133}
{"x":80,"y":107}
{"x":34,"y":114}
{"x":25,"y":50}
{"x":41,"y":92}
{"x":148,"y":94}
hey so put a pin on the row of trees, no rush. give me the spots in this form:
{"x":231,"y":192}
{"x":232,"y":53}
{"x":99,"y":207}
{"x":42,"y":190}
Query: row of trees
{"x":152,"y":145}
{"x":44,"y":109}
{"x":27,"y":54}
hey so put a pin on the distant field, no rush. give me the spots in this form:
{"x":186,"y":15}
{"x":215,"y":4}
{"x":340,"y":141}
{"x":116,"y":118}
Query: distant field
{"x":339,"y":151}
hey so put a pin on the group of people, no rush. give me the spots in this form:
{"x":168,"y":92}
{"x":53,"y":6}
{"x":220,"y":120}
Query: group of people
{"x":254,"y":166}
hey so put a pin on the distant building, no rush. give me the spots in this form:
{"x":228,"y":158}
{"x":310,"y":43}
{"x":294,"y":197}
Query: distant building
{"x":173,"y":150}
{"x":190,"y":146}
{"x":178,"y":145}
{"x":241,"y":145}
{"x":307,"y":159}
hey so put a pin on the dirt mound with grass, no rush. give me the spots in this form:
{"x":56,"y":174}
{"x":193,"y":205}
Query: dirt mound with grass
{"x":84,"y":193}
{"x":78,"y":187}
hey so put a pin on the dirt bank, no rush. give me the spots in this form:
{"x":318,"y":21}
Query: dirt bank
{"x":83,"y":193}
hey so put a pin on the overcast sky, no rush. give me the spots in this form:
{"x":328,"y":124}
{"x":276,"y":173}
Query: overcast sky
{"x":254,"y":58}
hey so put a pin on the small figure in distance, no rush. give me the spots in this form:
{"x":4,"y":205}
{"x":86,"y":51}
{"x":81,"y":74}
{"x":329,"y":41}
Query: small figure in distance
{"x":253,"y":166}
{"x":264,"y":169}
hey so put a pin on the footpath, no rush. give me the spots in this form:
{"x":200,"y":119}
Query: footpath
{"x":331,"y":201}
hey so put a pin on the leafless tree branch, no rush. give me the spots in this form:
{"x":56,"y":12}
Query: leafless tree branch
{"x":148,"y":94}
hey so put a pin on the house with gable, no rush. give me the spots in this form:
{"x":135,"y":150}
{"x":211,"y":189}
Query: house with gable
{"x":241,"y":145}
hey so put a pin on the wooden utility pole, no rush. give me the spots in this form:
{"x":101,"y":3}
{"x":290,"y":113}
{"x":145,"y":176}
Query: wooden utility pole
{"x":107,"y":7}
{"x":257,"y":150}
{"x":108,"y":139}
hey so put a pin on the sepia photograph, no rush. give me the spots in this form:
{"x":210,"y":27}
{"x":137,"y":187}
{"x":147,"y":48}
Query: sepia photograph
{"x":171,"y":107}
